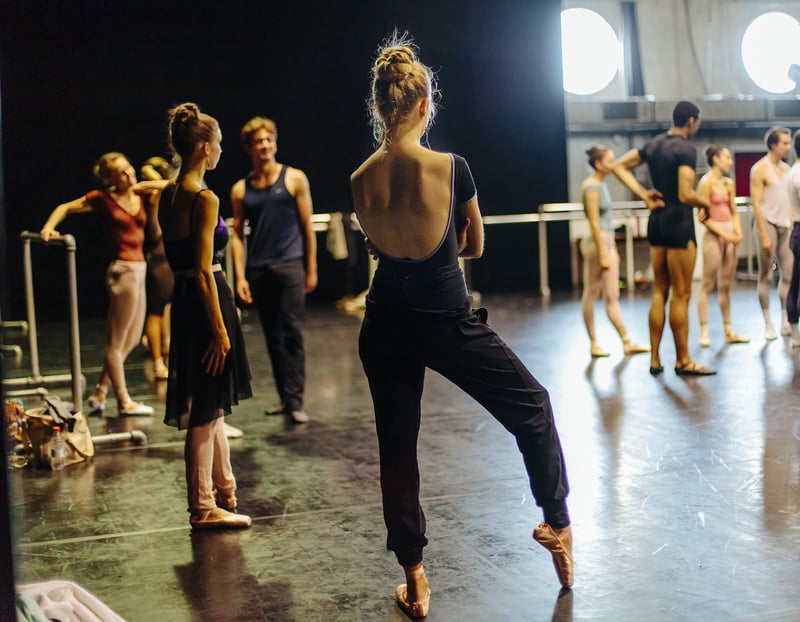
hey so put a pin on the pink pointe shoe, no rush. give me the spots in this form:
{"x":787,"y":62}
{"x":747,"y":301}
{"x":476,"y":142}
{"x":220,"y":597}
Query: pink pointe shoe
{"x":559,"y":543}
{"x":418,"y":608}
{"x":217,"y":518}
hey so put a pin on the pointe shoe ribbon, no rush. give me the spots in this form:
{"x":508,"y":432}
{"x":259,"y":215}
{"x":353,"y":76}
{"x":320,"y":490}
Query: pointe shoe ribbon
{"x":559,"y":543}
{"x":225,"y":502}
{"x":419,"y":608}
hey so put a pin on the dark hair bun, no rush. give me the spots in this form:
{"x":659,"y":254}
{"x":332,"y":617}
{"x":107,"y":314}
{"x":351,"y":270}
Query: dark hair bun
{"x":185,"y":114}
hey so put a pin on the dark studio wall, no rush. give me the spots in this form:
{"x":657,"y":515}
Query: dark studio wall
{"x":82,"y":78}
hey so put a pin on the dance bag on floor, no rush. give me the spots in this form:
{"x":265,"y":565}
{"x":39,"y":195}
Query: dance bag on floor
{"x":74,"y":429}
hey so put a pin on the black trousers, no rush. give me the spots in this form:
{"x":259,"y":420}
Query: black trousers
{"x":279,"y":294}
{"x":793,"y":297}
{"x":395,"y":353}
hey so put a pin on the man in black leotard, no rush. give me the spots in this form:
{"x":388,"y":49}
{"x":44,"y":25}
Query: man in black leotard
{"x":671,"y":160}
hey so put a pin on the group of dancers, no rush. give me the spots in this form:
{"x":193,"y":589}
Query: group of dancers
{"x":166,"y":232}
{"x":418,"y":209}
{"x":671,"y":158}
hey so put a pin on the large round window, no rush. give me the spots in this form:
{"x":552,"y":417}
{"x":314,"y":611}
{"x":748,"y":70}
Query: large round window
{"x":770,"y":46}
{"x":590,"y":51}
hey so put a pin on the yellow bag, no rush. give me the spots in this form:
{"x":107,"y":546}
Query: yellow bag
{"x":74,"y":429}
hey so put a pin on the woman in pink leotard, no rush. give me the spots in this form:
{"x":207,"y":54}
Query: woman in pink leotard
{"x":723,"y":234}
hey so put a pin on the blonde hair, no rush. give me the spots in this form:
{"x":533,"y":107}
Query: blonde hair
{"x":156,"y":167}
{"x":255,"y":124}
{"x":399,"y":80}
{"x":100,"y":169}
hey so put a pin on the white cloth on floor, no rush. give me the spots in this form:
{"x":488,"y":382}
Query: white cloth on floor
{"x":68,"y":602}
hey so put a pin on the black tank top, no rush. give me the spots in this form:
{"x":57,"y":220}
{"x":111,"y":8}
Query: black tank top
{"x":180,"y":253}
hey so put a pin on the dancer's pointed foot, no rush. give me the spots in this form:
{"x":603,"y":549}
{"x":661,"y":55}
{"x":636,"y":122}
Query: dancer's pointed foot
{"x":559,"y":543}
{"x":160,"y":370}
{"x":136,"y":408}
{"x":795,"y":330}
{"x":97,"y":400}
{"x":731,"y":337}
{"x":634,"y":348}
{"x":414,"y":596}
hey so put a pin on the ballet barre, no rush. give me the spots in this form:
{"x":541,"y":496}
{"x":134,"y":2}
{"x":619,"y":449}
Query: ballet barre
{"x":36,"y":383}
{"x":629,"y":212}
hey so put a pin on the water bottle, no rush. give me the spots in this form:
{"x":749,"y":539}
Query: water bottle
{"x":58,"y":450}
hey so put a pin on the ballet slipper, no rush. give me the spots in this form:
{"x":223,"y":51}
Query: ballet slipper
{"x":217,"y":518}
{"x":419,"y":607}
{"x":598,"y":352}
{"x":731,"y":337}
{"x":559,"y":543}
{"x":634,"y":348}
{"x":226,"y":502}
{"x":160,"y":370}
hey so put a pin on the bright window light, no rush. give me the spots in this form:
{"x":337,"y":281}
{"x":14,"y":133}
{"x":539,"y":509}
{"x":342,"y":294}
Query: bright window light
{"x":590,"y":51}
{"x":771,"y":44}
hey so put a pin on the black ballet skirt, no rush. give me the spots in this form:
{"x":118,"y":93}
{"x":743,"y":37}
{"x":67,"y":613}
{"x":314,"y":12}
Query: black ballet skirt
{"x":190,"y":389}
{"x":193,"y":396}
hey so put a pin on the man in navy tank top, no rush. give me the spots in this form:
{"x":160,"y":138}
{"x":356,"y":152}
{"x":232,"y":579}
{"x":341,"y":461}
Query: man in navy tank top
{"x":278,"y":265}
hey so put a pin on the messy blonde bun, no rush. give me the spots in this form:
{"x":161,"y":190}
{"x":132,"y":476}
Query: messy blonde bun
{"x":399,"y":81}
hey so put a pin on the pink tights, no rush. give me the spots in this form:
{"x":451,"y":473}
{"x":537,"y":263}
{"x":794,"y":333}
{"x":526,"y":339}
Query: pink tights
{"x":208,"y":465}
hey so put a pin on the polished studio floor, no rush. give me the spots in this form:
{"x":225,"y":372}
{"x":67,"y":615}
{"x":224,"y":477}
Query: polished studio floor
{"x":685,"y":491}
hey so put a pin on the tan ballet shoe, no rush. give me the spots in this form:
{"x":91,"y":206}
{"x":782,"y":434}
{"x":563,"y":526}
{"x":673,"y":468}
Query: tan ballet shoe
{"x":634,"y":348}
{"x":732,"y":337}
{"x":160,"y":370}
{"x":419,"y":608}
{"x":226,"y":502}
{"x":217,"y":518}
{"x":598,"y":352}
{"x":559,"y":543}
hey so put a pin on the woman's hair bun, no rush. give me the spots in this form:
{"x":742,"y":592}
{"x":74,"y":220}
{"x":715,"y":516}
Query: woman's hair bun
{"x":399,"y":81}
{"x":394,"y":63}
{"x":185,"y":113}
{"x":595,"y":152}
{"x":188,"y":126}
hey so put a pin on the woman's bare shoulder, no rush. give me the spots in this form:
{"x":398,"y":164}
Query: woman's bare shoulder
{"x":370,"y":163}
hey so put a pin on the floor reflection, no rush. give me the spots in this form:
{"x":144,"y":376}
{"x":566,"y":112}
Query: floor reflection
{"x":685,"y":491}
